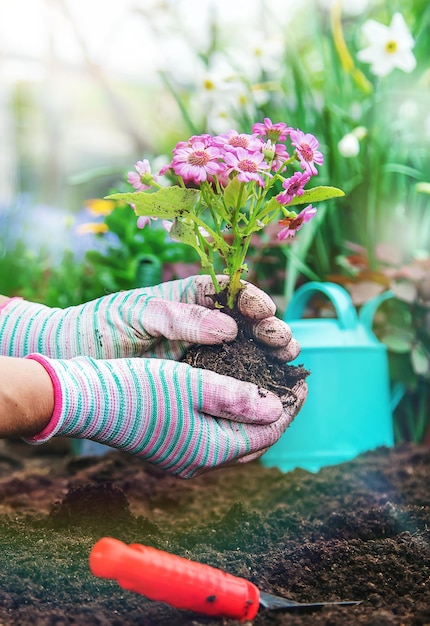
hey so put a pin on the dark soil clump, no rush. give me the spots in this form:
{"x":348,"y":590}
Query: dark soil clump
{"x":248,"y":361}
{"x":245,"y":360}
{"x":356,"y":531}
{"x":86,"y":504}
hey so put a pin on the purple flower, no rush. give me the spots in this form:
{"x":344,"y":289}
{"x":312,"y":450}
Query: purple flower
{"x":306,"y":147}
{"x":293,"y":224}
{"x":144,"y":220}
{"x":274,"y":132}
{"x":294,"y":186}
{"x":142,"y":176}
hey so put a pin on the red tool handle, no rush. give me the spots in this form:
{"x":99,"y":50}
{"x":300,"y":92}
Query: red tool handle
{"x":180,"y":582}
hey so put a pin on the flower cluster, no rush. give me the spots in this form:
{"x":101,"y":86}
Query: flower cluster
{"x":228,"y":186}
{"x":250,"y":157}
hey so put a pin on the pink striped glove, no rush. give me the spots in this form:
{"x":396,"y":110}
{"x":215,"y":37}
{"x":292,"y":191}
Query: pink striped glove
{"x":159,"y":321}
{"x":183,"y":419}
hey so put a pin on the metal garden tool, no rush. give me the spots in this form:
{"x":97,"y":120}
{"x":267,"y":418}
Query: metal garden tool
{"x":186,"y":584}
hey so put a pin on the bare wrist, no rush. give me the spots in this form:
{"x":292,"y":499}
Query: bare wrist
{"x":26,"y":397}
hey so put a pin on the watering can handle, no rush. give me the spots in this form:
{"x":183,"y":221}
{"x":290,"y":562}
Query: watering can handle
{"x":368,"y":310}
{"x":366,"y":315}
{"x":337,"y":295}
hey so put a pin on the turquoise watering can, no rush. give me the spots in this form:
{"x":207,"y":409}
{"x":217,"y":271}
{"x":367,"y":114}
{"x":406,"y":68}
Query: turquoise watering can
{"x":349,"y":406}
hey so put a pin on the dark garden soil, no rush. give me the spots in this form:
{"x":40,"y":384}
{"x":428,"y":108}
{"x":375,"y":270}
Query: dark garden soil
{"x":357,"y":531}
{"x":246,"y":360}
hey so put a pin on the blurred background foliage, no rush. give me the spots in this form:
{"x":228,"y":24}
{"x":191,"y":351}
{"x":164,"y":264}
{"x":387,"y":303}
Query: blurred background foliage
{"x":88,"y":88}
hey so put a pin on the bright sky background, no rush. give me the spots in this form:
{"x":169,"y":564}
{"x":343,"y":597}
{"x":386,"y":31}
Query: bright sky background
{"x":122,"y":35}
{"x":72,"y":121}
{"x":28,"y":28}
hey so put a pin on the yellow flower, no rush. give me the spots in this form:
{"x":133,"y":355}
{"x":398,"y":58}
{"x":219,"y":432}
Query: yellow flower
{"x":98,"y":206}
{"x":94,"y":228}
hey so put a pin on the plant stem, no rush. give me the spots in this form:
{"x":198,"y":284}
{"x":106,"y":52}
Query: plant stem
{"x":234,"y":287}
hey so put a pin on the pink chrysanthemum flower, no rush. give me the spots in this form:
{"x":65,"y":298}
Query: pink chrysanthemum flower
{"x":247,"y":164}
{"x":307,"y":151}
{"x":293,"y":224}
{"x":165,"y":169}
{"x":294,"y":186}
{"x":274,"y":132}
{"x":232,"y":139}
{"x":142,"y":176}
{"x":205,"y":138}
{"x":197,"y":161}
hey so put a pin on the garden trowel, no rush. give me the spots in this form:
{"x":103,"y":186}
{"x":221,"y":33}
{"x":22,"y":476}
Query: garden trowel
{"x":186,"y":584}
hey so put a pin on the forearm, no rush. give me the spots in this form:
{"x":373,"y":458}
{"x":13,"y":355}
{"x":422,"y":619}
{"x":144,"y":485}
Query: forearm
{"x":26,"y":397}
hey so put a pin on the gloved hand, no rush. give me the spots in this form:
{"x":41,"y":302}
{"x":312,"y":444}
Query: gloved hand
{"x":183,"y":419}
{"x":160,"y":321}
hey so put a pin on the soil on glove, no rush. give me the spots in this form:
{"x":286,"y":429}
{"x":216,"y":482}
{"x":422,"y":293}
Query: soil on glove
{"x":356,"y":531}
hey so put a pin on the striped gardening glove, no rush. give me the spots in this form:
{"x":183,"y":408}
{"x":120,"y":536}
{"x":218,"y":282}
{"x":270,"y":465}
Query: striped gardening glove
{"x":183,"y":419}
{"x":160,"y":321}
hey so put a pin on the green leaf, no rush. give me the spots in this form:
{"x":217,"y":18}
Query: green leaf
{"x":317,"y":194}
{"x":232,"y":192}
{"x":398,"y":342}
{"x":420,"y":360}
{"x":399,"y":168}
{"x":186,"y":234}
{"x":165,"y":203}
{"x":271,"y":205}
{"x":96,"y":258}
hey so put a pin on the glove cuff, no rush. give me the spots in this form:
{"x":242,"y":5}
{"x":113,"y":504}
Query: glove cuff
{"x":99,"y":400}
{"x":54,"y":424}
{"x":87,"y":399}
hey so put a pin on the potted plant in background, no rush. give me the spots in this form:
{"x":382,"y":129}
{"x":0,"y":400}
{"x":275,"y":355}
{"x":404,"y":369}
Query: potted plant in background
{"x":402,"y":323}
{"x":134,"y":257}
{"x":222,"y":189}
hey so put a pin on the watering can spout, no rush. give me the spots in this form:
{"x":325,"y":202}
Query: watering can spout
{"x":349,"y":406}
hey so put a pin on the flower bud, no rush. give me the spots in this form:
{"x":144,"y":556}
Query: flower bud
{"x":269,"y":151}
{"x":349,"y":146}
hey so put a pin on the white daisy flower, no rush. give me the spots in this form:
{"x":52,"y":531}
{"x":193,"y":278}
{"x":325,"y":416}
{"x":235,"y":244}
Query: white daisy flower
{"x":389,"y":47}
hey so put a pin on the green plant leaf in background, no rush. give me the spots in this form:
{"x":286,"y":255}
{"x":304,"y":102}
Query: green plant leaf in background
{"x":420,"y":360}
{"x":398,"y":341}
{"x":423,"y":187}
